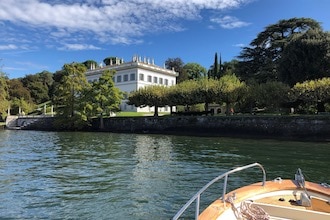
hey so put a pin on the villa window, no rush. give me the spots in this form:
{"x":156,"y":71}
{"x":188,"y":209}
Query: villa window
{"x":118,"y":78}
{"x":132,"y":77}
{"x":166,"y":82}
{"x":155,"y":79}
{"x":125,"y":78}
{"x":160,"y":80}
{"x":141,"y":77}
{"x":149,"y":78}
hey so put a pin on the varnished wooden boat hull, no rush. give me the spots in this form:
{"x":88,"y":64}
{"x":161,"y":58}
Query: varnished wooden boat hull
{"x":278,"y":198}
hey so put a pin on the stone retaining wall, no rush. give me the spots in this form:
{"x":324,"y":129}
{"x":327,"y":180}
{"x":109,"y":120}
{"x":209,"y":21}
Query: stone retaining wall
{"x":277,"y":126}
{"x":287,"y":127}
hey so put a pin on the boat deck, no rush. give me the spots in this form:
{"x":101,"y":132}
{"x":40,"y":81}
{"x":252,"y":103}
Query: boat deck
{"x":279,"y":199}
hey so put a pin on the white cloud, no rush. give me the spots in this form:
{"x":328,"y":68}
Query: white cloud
{"x":79,"y":47}
{"x":8,"y":47}
{"x":229,"y":22}
{"x":23,"y":66}
{"x":115,"y":21}
{"x":239,"y":45}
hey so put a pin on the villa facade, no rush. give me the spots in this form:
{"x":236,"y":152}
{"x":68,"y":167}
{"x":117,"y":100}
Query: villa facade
{"x":130,"y":76}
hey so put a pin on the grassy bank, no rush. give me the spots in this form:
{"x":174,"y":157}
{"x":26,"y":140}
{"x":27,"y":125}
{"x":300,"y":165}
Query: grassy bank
{"x":137,"y":114}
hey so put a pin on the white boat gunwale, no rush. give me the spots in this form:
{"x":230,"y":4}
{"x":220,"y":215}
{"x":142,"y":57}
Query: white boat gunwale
{"x":295,"y":188}
{"x":196,"y":197}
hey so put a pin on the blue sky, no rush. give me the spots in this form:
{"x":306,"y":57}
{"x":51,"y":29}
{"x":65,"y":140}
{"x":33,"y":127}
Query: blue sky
{"x":37,"y":35}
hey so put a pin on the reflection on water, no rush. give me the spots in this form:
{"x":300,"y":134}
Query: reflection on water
{"x":63,"y":175}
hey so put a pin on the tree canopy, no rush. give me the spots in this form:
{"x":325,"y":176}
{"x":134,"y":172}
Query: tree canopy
{"x":17,"y":90}
{"x":194,"y":70}
{"x":316,"y":92}
{"x":105,"y":97}
{"x":229,"y":89}
{"x":306,"y":57}
{"x":261,"y":59}
{"x":38,"y":84}
{"x":177,"y":64}
{"x":4,"y":96}
{"x":70,"y":96}
{"x":149,"y":96}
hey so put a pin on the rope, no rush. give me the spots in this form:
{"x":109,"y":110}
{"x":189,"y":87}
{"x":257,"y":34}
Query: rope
{"x":253,"y":212}
{"x":247,"y":210}
{"x":237,"y":213}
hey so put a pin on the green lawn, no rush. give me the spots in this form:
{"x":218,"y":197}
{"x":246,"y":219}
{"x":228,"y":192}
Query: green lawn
{"x":130,"y":114}
{"x":138,"y":114}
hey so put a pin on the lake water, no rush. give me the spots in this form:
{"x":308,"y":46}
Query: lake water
{"x":60,"y":175}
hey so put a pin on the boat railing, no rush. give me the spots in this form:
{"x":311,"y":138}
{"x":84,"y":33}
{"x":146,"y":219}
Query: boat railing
{"x":197,"y":196}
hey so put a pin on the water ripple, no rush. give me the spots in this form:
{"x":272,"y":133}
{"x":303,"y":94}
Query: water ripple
{"x":50,"y":175}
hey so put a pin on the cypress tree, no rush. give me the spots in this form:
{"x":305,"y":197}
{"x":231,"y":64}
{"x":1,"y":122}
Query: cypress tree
{"x":215,"y":66}
{"x":220,"y":68}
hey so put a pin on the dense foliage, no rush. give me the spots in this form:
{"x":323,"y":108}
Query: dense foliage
{"x":290,"y":51}
{"x":313,"y":93}
{"x":70,"y":96}
{"x":38,"y":85}
{"x":4,"y":95}
{"x":104,"y":98}
{"x":227,"y":89}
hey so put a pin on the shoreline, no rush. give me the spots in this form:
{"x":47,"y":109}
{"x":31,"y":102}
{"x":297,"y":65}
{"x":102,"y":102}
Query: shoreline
{"x":297,"y":128}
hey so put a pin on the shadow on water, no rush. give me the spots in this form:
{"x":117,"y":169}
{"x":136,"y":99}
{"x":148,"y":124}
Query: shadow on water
{"x":128,"y":176}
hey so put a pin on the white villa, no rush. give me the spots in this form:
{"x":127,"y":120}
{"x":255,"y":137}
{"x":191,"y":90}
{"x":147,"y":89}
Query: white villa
{"x":130,"y":76}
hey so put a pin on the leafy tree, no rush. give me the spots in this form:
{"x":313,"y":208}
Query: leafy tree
{"x":38,"y":84}
{"x":229,"y":89}
{"x":192,"y":92}
{"x":185,"y":93}
{"x":13,"y":93}
{"x":256,"y":65}
{"x":137,"y":98}
{"x":70,"y":96}
{"x":260,"y":59}
{"x":229,"y":67}
{"x":154,"y":95}
{"x":17,"y":90}
{"x":4,"y":96}
{"x":177,"y":64}
{"x":215,"y":67}
{"x":57,"y":80}
{"x":205,"y":91}
{"x":215,"y":70}
{"x":170,"y":97}
{"x":106,"y":97}
{"x":194,"y":70}
{"x":20,"y":106}
{"x":271,"y":95}
{"x":316,"y":92}
{"x":306,"y":57}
